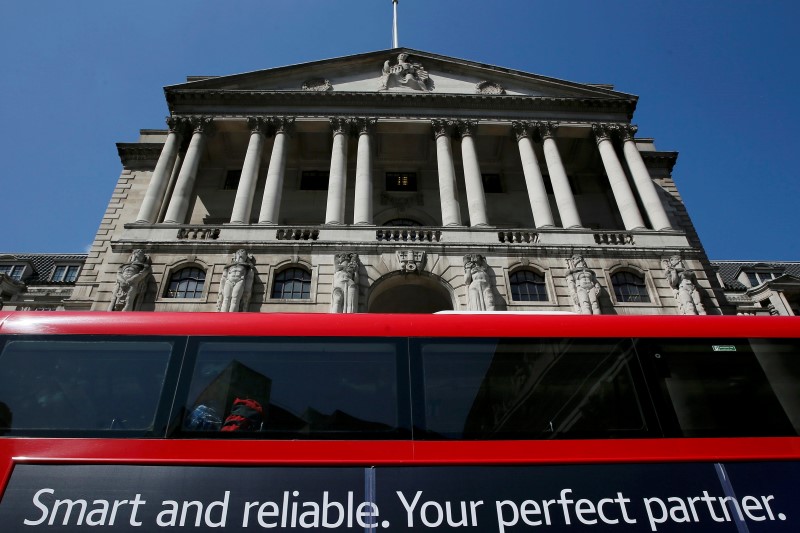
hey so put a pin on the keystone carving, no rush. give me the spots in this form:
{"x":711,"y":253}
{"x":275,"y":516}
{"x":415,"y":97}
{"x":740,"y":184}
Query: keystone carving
{"x":411,"y":261}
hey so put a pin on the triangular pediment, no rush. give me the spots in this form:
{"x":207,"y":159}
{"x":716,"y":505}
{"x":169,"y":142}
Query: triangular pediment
{"x":401,"y":70}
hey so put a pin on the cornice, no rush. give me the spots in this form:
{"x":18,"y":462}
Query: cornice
{"x":660,"y":159}
{"x":205,"y":97}
{"x":139,"y":151}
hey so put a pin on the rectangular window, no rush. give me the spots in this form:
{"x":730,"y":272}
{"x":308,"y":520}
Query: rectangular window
{"x":13,"y":271}
{"x":305,"y":388}
{"x":401,"y":181}
{"x":727,"y":387}
{"x":756,"y":278}
{"x":491,"y":183}
{"x":65,"y":273}
{"x":314,"y":180}
{"x":84,"y":386}
{"x":529,"y":389}
{"x":232,"y":180}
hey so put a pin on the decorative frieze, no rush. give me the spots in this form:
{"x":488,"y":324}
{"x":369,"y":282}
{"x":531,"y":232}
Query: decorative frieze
{"x":489,"y":87}
{"x":317,"y":85}
{"x":236,"y":286}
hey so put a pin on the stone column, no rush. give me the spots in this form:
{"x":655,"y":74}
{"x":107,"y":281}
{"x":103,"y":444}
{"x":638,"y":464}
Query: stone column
{"x":243,"y":203}
{"x":448,"y":192}
{"x":641,"y":178}
{"x":273,"y":189}
{"x":537,"y":194}
{"x":154,"y":196}
{"x":565,"y":200}
{"x":476,"y":199}
{"x":337,"y":179}
{"x":626,"y":202}
{"x":179,"y":203}
{"x":362,"y":212}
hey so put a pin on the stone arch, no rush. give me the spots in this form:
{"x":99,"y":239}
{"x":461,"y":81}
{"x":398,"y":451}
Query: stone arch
{"x":397,"y":292}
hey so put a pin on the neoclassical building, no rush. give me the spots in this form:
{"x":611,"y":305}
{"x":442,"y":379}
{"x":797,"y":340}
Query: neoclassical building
{"x":396,"y":181}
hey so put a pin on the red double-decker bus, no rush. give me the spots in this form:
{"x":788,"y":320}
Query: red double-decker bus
{"x":488,"y":422}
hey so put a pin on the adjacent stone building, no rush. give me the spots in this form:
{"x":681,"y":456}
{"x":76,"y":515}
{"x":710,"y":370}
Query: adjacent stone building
{"x":397,"y":181}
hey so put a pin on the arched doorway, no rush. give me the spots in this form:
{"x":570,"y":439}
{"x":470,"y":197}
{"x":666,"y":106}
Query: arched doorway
{"x":409,"y":293}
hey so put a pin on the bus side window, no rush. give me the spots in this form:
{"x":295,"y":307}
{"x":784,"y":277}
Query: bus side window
{"x":727,"y":387}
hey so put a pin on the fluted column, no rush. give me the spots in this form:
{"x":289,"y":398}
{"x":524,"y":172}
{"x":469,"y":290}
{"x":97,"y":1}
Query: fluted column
{"x":565,"y":200}
{"x":641,"y":178}
{"x":337,"y":179}
{"x":362,"y":211}
{"x":273,"y":189}
{"x":476,"y":199}
{"x":179,"y":203}
{"x":243,"y":203}
{"x":448,"y":192}
{"x":537,"y":194}
{"x":626,"y":202}
{"x":154,"y":196}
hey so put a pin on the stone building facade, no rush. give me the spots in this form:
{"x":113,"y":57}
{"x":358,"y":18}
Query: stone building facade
{"x":396,"y":181}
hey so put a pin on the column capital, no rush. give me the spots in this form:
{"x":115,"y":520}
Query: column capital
{"x":341,"y":125}
{"x":521,"y":129}
{"x":201,"y":124}
{"x":176,"y":124}
{"x":442,"y":127}
{"x":282,"y":125}
{"x":627,"y":131}
{"x":603,"y":131}
{"x":364,"y":125}
{"x":258,"y":124}
{"x":466,"y":127}
{"x":546,"y":130}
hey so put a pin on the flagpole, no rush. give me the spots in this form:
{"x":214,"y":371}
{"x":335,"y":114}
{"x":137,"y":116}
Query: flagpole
{"x":394,"y":26}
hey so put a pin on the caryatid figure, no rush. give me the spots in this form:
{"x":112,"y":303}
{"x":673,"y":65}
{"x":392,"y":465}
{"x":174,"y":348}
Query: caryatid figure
{"x":583,"y":286}
{"x":236,"y":286}
{"x":344,"y":298}
{"x":480,"y":293}
{"x":131,"y":282}
{"x":684,"y":285}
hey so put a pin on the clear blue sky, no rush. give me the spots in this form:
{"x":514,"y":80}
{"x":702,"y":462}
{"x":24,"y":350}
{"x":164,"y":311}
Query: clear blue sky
{"x":717,"y":82}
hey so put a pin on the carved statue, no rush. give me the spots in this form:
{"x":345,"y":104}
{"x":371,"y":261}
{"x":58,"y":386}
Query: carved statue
{"x":236,"y":286}
{"x":480,"y":293}
{"x":131,"y":282}
{"x":344,"y":298}
{"x":406,"y":73}
{"x":684,"y":284}
{"x":583,"y":286}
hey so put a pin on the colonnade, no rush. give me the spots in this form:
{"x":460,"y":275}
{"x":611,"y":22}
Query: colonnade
{"x":444,"y":131}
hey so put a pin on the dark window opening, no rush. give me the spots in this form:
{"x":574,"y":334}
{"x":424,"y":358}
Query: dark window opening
{"x":492,"y":183}
{"x":314,"y":180}
{"x":232,"y":180}
{"x":401,"y":181}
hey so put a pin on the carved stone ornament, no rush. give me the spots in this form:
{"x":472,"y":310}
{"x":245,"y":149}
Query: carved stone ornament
{"x":405,"y":73}
{"x":466,"y":127}
{"x":258,"y":125}
{"x":341,"y":125}
{"x":489,"y":87}
{"x":684,"y":286}
{"x":546,"y":130}
{"x":282,"y":124}
{"x":583,"y":286}
{"x":603,"y":132}
{"x":131,"y":282}
{"x":344,"y":298}
{"x":627,"y":131}
{"x":236,"y":286}
{"x":411,"y":261}
{"x":521,"y":129}
{"x":203,"y":125}
{"x":365,"y":126}
{"x":317,"y":84}
{"x":477,"y":278}
{"x":442,"y":127}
